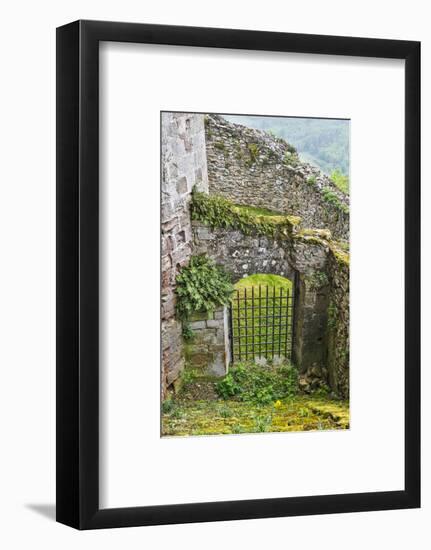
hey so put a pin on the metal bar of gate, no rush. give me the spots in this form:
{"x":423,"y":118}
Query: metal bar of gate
{"x":238,"y":322}
{"x":280,"y":302}
{"x":246,"y":323}
{"x":252,"y":319}
{"x":260,"y":333}
{"x":266,"y":324}
{"x":273,"y":321}
{"x":287,"y":322}
{"x":260,"y":320}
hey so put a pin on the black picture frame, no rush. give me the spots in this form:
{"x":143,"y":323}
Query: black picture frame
{"x":78,"y":274}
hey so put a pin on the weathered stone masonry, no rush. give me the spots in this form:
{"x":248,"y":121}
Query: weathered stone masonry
{"x":251,"y":167}
{"x":209,"y":352}
{"x":184,"y":165}
{"x":320,"y":270}
{"x":295,"y":258}
{"x":338,"y":325}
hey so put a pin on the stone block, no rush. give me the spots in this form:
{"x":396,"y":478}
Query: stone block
{"x":204,"y":234}
{"x":196,"y":325}
{"x":220,"y":335}
{"x":218,"y":366}
{"x":182,"y":186}
{"x":201,"y":315}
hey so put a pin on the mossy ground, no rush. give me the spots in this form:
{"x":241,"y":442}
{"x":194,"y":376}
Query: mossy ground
{"x":216,"y":417}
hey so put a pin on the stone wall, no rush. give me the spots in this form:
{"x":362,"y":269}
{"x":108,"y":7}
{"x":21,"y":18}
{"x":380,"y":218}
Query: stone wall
{"x":310,"y":325}
{"x":183,"y":166}
{"x":321,"y":318}
{"x":240,"y":254}
{"x":300,"y":258}
{"x":252,"y":167}
{"x":338,"y":326}
{"x":208,"y":353}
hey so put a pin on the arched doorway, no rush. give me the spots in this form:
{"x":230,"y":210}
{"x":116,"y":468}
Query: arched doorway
{"x":261,"y":319}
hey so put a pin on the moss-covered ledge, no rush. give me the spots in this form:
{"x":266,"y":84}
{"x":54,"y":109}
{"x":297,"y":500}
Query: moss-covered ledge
{"x":339,"y":250}
{"x":218,"y":212}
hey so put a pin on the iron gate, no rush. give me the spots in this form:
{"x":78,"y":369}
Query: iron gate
{"x":261,"y":323}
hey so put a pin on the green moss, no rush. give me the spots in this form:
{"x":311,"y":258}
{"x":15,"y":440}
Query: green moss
{"x":232,"y":417}
{"x":317,"y":279}
{"x":291,"y":158}
{"x":341,"y":256}
{"x":322,"y":234}
{"x":330,"y":197}
{"x":257,"y":210}
{"x":341,"y":181}
{"x":264,"y":279}
{"x":220,"y":145}
{"x":219,"y":212}
{"x":311,"y":236}
{"x":253,"y":149}
{"x":322,"y":237}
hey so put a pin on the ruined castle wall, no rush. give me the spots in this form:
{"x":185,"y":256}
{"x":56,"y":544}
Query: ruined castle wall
{"x":304,"y":261}
{"x":242,"y":255}
{"x":184,"y":165}
{"x":321,"y":282}
{"x":252,"y":167}
{"x":338,"y":326}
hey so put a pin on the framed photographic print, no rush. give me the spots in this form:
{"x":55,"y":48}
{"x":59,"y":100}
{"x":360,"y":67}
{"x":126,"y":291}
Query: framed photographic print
{"x":238,"y":255}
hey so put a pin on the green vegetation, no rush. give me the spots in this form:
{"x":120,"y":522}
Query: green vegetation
{"x":217,"y":211}
{"x":311,"y":180}
{"x":317,"y":279}
{"x":264,"y":279}
{"x":340,"y":254}
{"x":220,"y":145}
{"x":257,"y":210}
{"x":332,"y":198}
{"x":296,"y":414}
{"x":263,"y":294}
{"x":322,"y":142}
{"x":258,"y":385}
{"x":291,"y":159}
{"x":341,"y":181}
{"x":201,"y":286}
{"x":253,"y":149}
{"x":332,"y":315}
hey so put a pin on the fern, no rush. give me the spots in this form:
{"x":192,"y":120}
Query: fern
{"x":201,"y":286}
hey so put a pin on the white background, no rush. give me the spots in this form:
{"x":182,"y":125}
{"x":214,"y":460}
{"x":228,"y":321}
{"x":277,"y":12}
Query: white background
{"x":133,"y":456}
{"x":27,"y":473}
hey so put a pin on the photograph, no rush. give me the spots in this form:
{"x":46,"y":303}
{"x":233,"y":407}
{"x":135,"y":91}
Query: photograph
{"x":254,"y":274}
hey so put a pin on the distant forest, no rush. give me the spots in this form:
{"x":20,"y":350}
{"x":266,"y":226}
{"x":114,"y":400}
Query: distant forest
{"x":321,"y":142}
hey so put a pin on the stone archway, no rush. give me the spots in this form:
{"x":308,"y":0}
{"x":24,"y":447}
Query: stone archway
{"x":303,"y":261}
